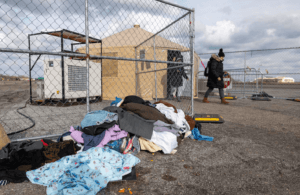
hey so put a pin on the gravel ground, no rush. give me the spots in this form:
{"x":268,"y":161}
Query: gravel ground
{"x":254,"y":152}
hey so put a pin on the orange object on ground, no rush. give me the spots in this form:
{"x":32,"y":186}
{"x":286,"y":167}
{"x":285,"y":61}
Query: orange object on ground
{"x":122,"y":190}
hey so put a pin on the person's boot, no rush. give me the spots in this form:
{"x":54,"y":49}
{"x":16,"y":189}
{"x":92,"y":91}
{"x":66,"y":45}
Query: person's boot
{"x":178,"y":98}
{"x":205,"y":100}
{"x":223,"y":101}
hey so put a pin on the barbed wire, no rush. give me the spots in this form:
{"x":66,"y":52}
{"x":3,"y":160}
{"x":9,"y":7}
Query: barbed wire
{"x":253,"y":50}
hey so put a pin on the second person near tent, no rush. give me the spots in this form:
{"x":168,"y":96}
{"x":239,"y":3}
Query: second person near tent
{"x":176,"y":78}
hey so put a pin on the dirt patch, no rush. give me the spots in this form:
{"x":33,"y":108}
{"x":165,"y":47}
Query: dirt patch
{"x":187,"y":166}
{"x":168,"y":178}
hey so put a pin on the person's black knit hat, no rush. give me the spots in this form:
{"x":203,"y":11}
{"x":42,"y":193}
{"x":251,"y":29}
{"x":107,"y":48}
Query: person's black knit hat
{"x":221,"y":54}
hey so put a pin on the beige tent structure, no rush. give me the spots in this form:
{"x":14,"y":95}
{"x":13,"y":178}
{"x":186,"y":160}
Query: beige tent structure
{"x":119,"y":77}
{"x":4,"y":140}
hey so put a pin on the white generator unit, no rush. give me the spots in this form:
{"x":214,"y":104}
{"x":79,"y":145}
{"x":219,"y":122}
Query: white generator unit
{"x":75,"y":79}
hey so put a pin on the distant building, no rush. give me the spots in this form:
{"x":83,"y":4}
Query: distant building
{"x":24,"y":78}
{"x":287,"y":80}
{"x":277,"y":79}
{"x":8,"y":78}
{"x":39,"y":79}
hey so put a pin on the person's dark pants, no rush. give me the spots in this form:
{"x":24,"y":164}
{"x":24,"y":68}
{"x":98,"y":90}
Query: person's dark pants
{"x":221,"y":92}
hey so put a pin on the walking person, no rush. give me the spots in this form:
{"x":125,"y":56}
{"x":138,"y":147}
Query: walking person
{"x":176,"y":80}
{"x":215,"y":76}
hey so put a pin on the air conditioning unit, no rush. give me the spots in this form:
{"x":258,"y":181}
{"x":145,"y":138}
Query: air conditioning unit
{"x":75,"y":79}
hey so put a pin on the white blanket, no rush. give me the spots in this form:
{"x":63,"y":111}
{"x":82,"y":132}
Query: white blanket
{"x":165,"y":140}
{"x":177,"y":118}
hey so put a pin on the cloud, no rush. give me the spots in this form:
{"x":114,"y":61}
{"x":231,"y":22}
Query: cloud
{"x":226,"y":10}
{"x":262,"y":32}
{"x":220,"y":33}
{"x":214,"y":36}
{"x":271,"y":32}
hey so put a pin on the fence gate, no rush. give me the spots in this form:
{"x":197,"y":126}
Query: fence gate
{"x":273,"y":71}
{"x":63,"y":59}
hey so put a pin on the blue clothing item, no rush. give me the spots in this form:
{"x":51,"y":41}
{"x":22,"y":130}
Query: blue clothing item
{"x":78,"y":128}
{"x":85,"y":173}
{"x":115,"y":145}
{"x":152,"y":105}
{"x":98,"y":117}
{"x":200,"y":137}
{"x":92,"y":140}
{"x":115,"y":103}
{"x":62,"y":136}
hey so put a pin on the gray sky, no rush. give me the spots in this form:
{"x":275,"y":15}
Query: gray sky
{"x":244,"y":25}
{"x":238,"y":25}
{"x":233,"y":25}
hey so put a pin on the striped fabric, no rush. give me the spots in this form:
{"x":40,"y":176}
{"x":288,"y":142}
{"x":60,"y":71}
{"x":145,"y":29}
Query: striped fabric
{"x":3,"y":182}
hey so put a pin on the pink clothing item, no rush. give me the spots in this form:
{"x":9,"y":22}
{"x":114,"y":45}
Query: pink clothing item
{"x":113,"y":133}
{"x":76,"y":135}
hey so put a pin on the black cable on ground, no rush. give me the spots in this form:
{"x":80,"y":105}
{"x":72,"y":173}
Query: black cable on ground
{"x":33,"y":122}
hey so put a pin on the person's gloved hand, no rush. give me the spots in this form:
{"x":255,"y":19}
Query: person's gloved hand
{"x":219,"y":78}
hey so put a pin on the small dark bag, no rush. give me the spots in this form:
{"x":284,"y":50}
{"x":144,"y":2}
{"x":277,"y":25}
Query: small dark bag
{"x":206,"y":71}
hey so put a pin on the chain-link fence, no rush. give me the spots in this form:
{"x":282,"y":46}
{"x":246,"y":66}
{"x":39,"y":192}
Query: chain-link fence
{"x":240,"y":82}
{"x":273,"y":71}
{"x":62,"y":59}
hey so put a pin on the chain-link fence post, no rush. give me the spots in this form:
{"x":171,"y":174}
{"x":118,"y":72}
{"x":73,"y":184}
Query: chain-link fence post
{"x":155,"y":69}
{"x":192,"y":37}
{"x":136,"y":73}
{"x":87,"y":57}
{"x":244,"y":96}
{"x":262,"y":85}
{"x":256,"y":71}
{"x":192,"y":31}
{"x":30,"y":86}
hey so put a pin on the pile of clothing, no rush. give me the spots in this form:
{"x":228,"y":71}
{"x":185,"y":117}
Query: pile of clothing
{"x":102,"y":149}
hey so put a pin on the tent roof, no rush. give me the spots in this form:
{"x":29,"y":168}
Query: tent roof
{"x":134,"y":36}
{"x":67,"y":34}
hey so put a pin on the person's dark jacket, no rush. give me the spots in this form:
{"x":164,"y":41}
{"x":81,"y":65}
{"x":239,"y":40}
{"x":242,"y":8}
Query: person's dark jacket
{"x":134,"y":99}
{"x":176,"y":75}
{"x":215,"y":71}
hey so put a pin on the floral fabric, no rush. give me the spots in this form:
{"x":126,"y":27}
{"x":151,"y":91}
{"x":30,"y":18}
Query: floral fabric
{"x":85,"y":173}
